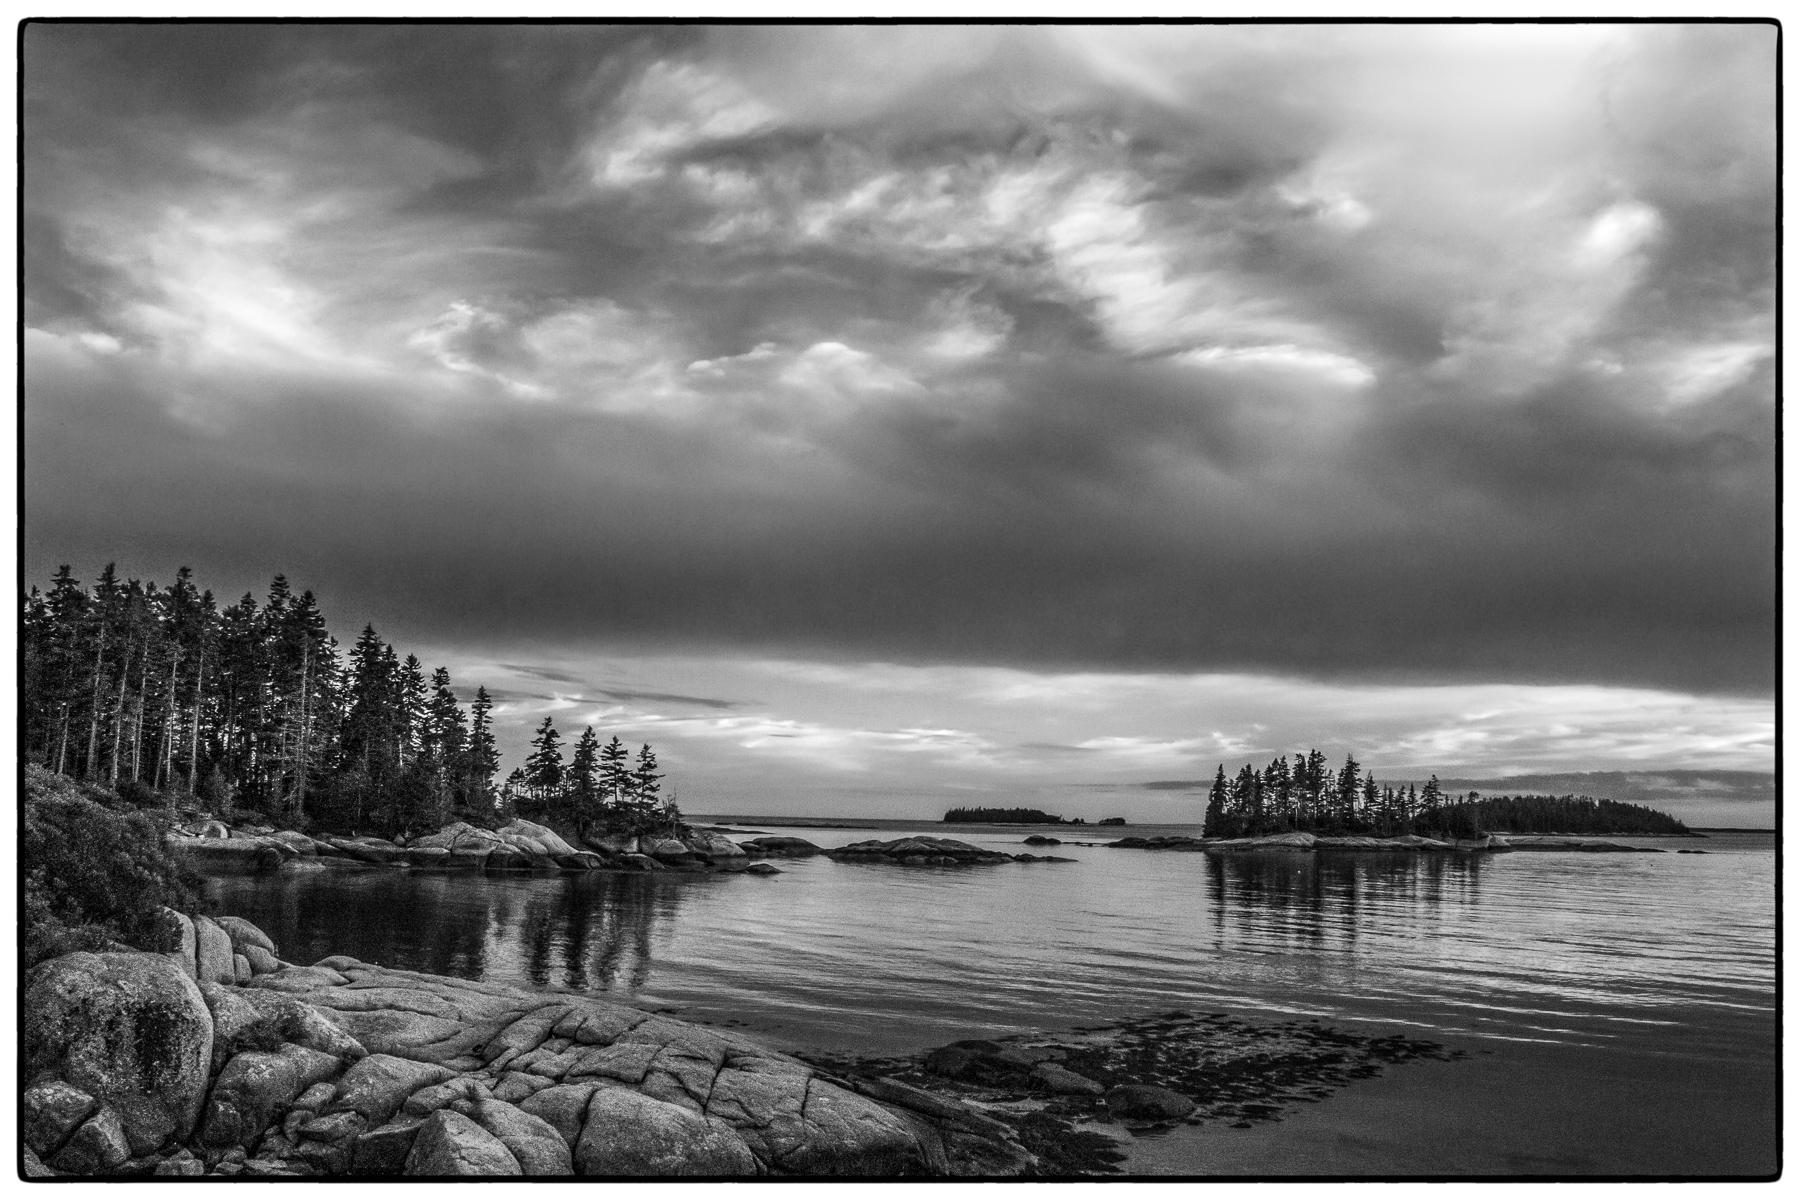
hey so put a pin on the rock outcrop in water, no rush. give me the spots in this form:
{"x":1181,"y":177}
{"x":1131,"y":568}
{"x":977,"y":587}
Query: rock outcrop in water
{"x":142,"y":1064}
{"x":930,"y":851}
{"x":1068,"y":1096}
{"x":518,"y":846}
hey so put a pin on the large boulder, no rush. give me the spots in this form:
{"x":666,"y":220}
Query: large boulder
{"x":301,"y":844}
{"x":534,"y":838}
{"x":186,"y":942}
{"x":212,"y":953}
{"x":450,"y":1144}
{"x":50,"y":1112}
{"x":427,"y":858}
{"x":263,"y":1018}
{"x":242,"y":933}
{"x":638,"y":862}
{"x":377,"y":1086}
{"x":665,"y":849}
{"x":628,"y":1133}
{"x":130,"y":1030}
{"x":460,"y":836}
{"x":367,"y":849}
{"x":255,"y":1087}
{"x":533,"y":1141}
{"x":96,"y":1148}
{"x":713,"y":846}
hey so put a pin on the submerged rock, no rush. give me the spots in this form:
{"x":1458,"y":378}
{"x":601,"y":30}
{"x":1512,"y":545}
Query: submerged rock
{"x":1148,"y":1102}
{"x":780,"y":847}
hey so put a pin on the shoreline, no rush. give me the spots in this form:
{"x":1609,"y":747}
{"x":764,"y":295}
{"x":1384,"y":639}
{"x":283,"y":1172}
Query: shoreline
{"x":346,"y":1069}
{"x":220,"y":1059}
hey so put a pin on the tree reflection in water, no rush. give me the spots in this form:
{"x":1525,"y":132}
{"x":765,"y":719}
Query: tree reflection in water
{"x":592,"y":932}
{"x":596,"y":927}
{"x":1331,"y":898}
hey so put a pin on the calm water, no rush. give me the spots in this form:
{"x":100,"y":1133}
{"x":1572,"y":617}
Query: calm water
{"x":1619,"y":1009}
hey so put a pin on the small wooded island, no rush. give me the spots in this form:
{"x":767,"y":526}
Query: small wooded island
{"x":1307,"y":796}
{"x":1006,"y":816}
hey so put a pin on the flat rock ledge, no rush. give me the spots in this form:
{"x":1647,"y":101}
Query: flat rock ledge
{"x":931,"y":851}
{"x":1406,"y":843}
{"x":140,"y":1064}
{"x":517,"y":846}
{"x":1075,"y":1099}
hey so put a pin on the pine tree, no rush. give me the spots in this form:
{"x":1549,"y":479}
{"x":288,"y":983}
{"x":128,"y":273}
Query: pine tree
{"x":1347,"y":787}
{"x":1214,"y":822}
{"x":445,"y":747}
{"x":483,"y":759}
{"x":645,"y":786}
{"x":615,"y":775}
{"x":544,"y":767}
{"x":584,"y":781}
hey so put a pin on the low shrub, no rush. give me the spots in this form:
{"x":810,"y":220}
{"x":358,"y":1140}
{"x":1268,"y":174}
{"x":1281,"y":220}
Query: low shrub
{"x":93,"y":877}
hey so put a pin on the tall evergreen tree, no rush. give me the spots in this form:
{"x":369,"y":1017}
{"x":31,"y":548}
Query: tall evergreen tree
{"x":1213,"y":825}
{"x":544,"y":767}
{"x":646,"y":786}
{"x":483,"y":759}
{"x":584,"y":781}
{"x":615,"y":774}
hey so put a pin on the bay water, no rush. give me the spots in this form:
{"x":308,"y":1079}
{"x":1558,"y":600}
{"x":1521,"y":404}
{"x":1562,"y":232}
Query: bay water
{"x":1617,"y":1011}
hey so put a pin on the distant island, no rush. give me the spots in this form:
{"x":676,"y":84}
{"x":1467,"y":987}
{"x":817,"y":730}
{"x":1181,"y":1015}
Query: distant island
{"x":1006,"y":816}
{"x":1308,"y":796}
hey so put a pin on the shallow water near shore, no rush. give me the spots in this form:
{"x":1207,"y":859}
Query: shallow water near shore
{"x":1618,"y":1010}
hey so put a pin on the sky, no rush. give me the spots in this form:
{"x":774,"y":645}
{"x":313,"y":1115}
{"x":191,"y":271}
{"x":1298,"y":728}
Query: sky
{"x":882,"y":418}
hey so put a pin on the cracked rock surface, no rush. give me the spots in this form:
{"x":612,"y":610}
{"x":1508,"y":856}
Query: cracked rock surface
{"x":349,"y":1068}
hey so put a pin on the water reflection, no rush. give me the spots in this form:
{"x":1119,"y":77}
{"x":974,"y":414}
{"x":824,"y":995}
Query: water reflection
{"x":1330,"y":900}
{"x":593,"y":932}
{"x":597,"y":930}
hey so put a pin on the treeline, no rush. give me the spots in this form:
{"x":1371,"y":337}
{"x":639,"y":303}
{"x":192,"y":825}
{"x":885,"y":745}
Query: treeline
{"x":1308,"y":795}
{"x":1004,"y":816}
{"x":159,"y":693}
{"x":1570,"y":814}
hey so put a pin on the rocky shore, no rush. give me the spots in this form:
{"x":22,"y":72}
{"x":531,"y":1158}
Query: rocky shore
{"x":1405,"y":843}
{"x":526,"y":846}
{"x":1075,"y":1100}
{"x":220,"y":1059}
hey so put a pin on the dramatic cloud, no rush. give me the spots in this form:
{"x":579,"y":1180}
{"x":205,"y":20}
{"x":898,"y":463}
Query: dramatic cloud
{"x":1406,"y":356}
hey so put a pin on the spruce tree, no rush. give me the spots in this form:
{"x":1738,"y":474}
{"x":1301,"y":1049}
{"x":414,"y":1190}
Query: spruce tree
{"x":482,"y":761}
{"x":1213,"y":824}
{"x":645,"y":786}
{"x":544,"y":767}
{"x":615,"y":775}
{"x":584,"y":781}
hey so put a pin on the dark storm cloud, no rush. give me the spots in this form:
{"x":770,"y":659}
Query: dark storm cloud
{"x":1045,"y":348}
